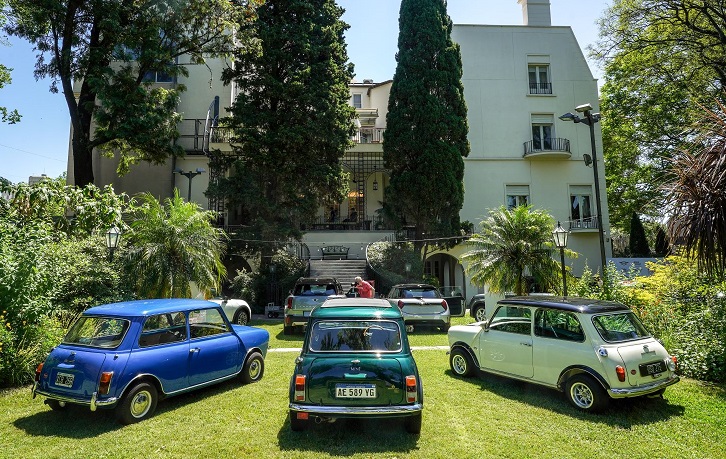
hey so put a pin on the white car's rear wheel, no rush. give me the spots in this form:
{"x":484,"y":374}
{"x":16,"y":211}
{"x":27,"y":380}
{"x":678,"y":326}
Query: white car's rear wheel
{"x":586,"y":394}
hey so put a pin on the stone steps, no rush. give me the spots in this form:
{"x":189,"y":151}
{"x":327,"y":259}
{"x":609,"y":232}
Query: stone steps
{"x":345,"y":271}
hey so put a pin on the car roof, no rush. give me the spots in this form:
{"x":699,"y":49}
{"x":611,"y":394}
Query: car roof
{"x":413,"y":286}
{"x":356,"y":308}
{"x":141,"y":308}
{"x":567,"y":303}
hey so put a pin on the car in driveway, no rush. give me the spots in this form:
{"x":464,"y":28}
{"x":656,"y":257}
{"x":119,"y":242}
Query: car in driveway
{"x":592,"y":350}
{"x":237,"y":311}
{"x":420,"y":304}
{"x":127,"y":356}
{"x":307,"y":293}
{"x":355,"y":362}
{"x":477,"y":307}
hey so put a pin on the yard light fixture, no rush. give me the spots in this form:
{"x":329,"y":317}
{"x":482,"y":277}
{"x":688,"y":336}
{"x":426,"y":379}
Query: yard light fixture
{"x":590,"y":119}
{"x":190,"y":175}
{"x":560,"y":236}
{"x":113,"y":235}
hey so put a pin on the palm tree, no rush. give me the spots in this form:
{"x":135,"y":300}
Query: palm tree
{"x":510,"y":244}
{"x":697,"y":194}
{"x":172,"y":245}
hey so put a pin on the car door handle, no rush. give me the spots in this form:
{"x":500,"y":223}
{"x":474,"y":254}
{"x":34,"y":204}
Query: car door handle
{"x":526,"y":344}
{"x":192,"y":351}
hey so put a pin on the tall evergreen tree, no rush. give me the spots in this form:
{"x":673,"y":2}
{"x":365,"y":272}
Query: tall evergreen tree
{"x":426,"y":132}
{"x":638,"y":241}
{"x":292,"y":120}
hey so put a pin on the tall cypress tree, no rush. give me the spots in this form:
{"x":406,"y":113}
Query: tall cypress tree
{"x":426,"y":131}
{"x":638,"y":241}
{"x":292,"y":119}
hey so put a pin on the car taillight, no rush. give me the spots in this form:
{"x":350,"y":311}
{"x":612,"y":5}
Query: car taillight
{"x":400,"y":304}
{"x":411,"y":392}
{"x":620,"y":371}
{"x":38,"y":371}
{"x":299,"y":388}
{"x":289,"y":303}
{"x":444,"y":305}
{"x":105,"y":383}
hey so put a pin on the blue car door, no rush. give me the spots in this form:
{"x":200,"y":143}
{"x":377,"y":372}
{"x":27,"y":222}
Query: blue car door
{"x":215,"y":351}
{"x":163,"y":350}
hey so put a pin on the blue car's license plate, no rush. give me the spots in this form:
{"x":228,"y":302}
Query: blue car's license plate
{"x":64,"y":380}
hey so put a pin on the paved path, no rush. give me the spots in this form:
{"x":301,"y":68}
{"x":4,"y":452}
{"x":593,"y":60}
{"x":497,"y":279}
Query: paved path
{"x":415,"y":348}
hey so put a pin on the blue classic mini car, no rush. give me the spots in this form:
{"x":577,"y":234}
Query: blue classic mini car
{"x":355,"y":362}
{"x":126,"y":356}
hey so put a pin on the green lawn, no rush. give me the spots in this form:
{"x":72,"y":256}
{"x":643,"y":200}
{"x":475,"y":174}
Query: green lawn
{"x":478,"y":417}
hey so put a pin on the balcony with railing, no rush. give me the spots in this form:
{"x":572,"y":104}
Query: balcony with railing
{"x":584,"y":224}
{"x":368,"y":135}
{"x":552,"y":148}
{"x":540,"y":88}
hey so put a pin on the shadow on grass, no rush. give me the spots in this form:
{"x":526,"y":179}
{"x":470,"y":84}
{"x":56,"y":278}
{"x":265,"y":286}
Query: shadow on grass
{"x":622,"y":413}
{"x":346,"y":437}
{"x":76,"y":421}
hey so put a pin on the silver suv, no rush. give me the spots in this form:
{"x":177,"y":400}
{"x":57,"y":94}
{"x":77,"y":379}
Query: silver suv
{"x":307,"y":293}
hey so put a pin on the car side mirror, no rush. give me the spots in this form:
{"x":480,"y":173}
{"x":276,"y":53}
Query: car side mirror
{"x":485,"y":326}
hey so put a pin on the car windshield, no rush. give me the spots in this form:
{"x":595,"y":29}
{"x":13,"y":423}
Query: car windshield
{"x":102,"y":332}
{"x":355,"y":336}
{"x":420,"y":292}
{"x":619,"y":327}
{"x":315,"y":289}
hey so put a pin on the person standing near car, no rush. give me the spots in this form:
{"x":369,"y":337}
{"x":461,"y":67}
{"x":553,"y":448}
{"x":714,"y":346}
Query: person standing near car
{"x":365,"y":289}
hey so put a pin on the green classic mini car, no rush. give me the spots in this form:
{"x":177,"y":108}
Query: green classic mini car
{"x":355,"y":362}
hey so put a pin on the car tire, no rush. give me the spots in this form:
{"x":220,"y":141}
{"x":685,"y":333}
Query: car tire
{"x":445,"y":328}
{"x":461,"y":363}
{"x":297,"y":425}
{"x":241,"y":317}
{"x":138,"y":404}
{"x":413,"y":424}
{"x":253,"y":369}
{"x":410,"y":328}
{"x":586,"y":394}
{"x":56,"y":405}
{"x":480,"y":313}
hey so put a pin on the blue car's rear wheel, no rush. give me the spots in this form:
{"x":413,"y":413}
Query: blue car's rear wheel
{"x":138,"y":404}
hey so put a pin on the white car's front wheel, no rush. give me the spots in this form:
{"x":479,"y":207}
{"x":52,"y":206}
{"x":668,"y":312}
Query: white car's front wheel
{"x":461,"y":363}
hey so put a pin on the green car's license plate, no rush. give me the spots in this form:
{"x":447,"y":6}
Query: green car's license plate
{"x":355,"y":391}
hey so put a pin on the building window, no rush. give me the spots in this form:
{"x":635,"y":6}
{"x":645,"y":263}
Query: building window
{"x":580,"y":199}
{"x":517,"y":195}
{"x":541,"y":137}
{"x":357,"y":101}
{"x":158,"y":77}
{"x":539,"y":79}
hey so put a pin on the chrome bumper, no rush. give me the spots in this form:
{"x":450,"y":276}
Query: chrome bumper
{"x":399,"y":410}
{"x":644,"y":389}
{"x":93,"y":403}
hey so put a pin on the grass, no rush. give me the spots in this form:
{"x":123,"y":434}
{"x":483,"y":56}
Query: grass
{"x":478,"y":417}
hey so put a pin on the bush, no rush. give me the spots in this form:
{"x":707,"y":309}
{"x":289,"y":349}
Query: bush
{"x":255,"y":288}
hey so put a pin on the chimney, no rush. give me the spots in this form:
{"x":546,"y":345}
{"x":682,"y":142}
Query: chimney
{"x":536,"y":12}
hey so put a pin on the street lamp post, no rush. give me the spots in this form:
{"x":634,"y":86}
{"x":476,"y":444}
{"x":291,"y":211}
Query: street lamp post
{"x":560,"y":237}
{"x":190,"y":175}
{"x":590,"y":119}
{"x":113,"y":235}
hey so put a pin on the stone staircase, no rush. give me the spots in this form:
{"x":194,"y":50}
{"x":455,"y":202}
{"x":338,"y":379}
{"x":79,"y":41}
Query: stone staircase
{"x":343,"y":270}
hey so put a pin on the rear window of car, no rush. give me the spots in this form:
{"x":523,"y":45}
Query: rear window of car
{"x":315,"y":289}
{"x":355,"y":336}
{"x":425,"y":292}
{"x":100,"y":332}
{"x":616,"y":328}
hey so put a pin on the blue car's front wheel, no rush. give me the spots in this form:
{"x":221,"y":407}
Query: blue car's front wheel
{"x":253,"y":368}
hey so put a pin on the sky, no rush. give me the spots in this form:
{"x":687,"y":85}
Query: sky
{"x":39,"y":143}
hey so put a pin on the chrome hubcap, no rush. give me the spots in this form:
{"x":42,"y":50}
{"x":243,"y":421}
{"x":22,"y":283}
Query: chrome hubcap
{"x":140,"y":404}
{"x":255,"y":368}
{"x":581,"y":395}
{"x":459,"y":364}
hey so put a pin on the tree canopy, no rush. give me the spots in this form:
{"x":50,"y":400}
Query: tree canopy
{"x":293,"y":121}
{"x":662,"y":59}
{"x":6,"y":116}
{"x":107,"y":48}
{"x":426,"y":126}
{"x":510,"y":244}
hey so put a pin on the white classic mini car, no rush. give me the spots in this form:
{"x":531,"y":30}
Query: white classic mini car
{"x":592,"y":350}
